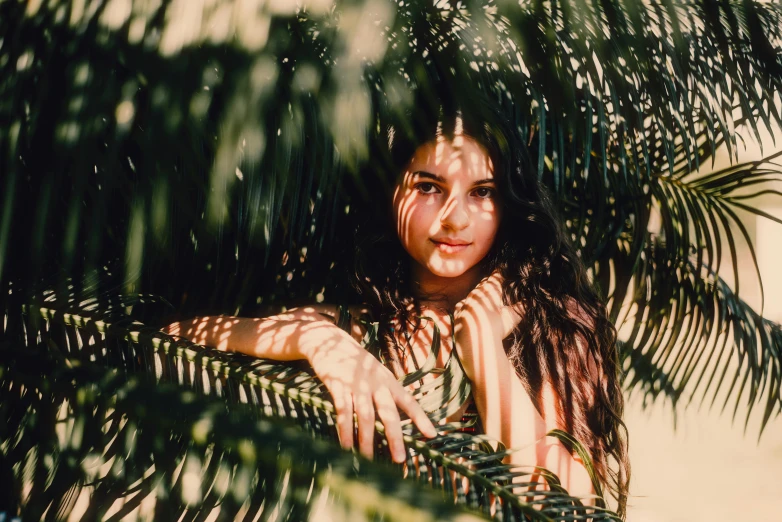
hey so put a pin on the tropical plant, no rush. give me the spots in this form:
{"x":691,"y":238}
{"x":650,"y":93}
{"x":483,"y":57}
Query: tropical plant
{"x":70,"y":348}
{"x":209,"y":153}
{"x":90,"y":443}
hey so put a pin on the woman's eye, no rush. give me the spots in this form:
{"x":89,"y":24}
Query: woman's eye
{"x":483,"y":192}
{"x":427,"y":188}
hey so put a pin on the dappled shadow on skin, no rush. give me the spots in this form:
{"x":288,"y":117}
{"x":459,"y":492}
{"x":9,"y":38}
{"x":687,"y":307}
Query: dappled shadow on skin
{"x":434,"y":200}
{"x":503,"y":401}
{"x":447,"y":217}
{"x":362,"y":389}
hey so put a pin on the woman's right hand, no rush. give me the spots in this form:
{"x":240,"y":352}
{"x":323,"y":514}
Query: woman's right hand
{"x":357,"y":381}
{"x":360,"y":384}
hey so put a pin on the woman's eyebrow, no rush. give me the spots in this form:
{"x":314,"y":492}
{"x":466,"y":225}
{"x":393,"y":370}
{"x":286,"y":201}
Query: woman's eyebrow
{"x":435,"y":177}
{"x":428,"y":175}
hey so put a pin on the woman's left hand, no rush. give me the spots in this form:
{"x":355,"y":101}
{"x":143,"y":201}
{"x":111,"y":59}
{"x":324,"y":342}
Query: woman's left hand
{"x":483,"y":307}
{"x":482,"y":319}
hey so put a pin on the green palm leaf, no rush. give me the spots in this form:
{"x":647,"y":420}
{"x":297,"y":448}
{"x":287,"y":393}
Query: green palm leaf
{"x":651,"y":86}
{"x":692,"y":336}
{"x":689,"y":332}
{"x":215,"y":153}
{"x":86,"y":441}
{"x":290,"y":391}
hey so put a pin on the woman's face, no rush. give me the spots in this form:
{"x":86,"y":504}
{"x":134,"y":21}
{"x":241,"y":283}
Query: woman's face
{"x":446,"y":206}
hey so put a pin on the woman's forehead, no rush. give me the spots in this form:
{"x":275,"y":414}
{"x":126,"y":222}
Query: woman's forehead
{"x":461,"y":155}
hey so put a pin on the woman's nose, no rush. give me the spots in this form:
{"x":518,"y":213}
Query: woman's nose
{"x":455,"y":215}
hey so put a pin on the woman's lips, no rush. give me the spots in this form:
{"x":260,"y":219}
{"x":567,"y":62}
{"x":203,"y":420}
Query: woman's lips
{"x":449,"y":248}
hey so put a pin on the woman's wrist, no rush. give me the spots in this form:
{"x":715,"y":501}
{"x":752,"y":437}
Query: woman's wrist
{"x":319,"y":338}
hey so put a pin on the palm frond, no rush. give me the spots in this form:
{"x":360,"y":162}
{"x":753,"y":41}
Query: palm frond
{"x":226,"y":148}
{"x":214,"y":148}
{"x":658,"y":251}
{"x":698,"y":212}
{"x":82,"y":440}
{"x":690,"y":336}
{"x":274,"y":389}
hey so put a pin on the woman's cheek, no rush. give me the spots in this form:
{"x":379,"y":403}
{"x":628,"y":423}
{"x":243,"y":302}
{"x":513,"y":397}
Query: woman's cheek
{"x":489,"y":228}
{"x":424,"y":218}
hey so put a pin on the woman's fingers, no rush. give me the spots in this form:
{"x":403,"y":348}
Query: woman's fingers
{"x":485,"y":306}
{"x":389,"y":416}
{"x":494,"y":281}
{"x":343,"y":404}
{"x":371,"y":394}
{"x":365,"y":414}
{"x":409,"y":405}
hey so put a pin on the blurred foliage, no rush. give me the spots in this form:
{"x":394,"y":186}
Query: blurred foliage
{"x":95,"y":444}
{"x":209,"y":152}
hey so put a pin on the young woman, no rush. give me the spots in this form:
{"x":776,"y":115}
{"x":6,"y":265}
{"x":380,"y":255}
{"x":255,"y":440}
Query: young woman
{"x":468,"y":240}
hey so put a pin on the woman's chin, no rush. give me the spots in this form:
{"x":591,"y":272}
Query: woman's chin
{"x":447,"y":275}
{"x":449,"y":267}
{"x":447,"y":272}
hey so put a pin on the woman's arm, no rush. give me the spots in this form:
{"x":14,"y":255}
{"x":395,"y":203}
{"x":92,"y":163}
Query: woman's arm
{"x":358,"y":383}
{"x":287,"y":336}
{"x":505,"y":407}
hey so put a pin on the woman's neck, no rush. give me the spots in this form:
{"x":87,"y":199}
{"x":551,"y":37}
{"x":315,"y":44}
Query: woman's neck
{"x":442,"y":293}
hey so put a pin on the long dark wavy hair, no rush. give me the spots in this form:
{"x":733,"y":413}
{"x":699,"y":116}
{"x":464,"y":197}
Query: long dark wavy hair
{"x":564,"y":330}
